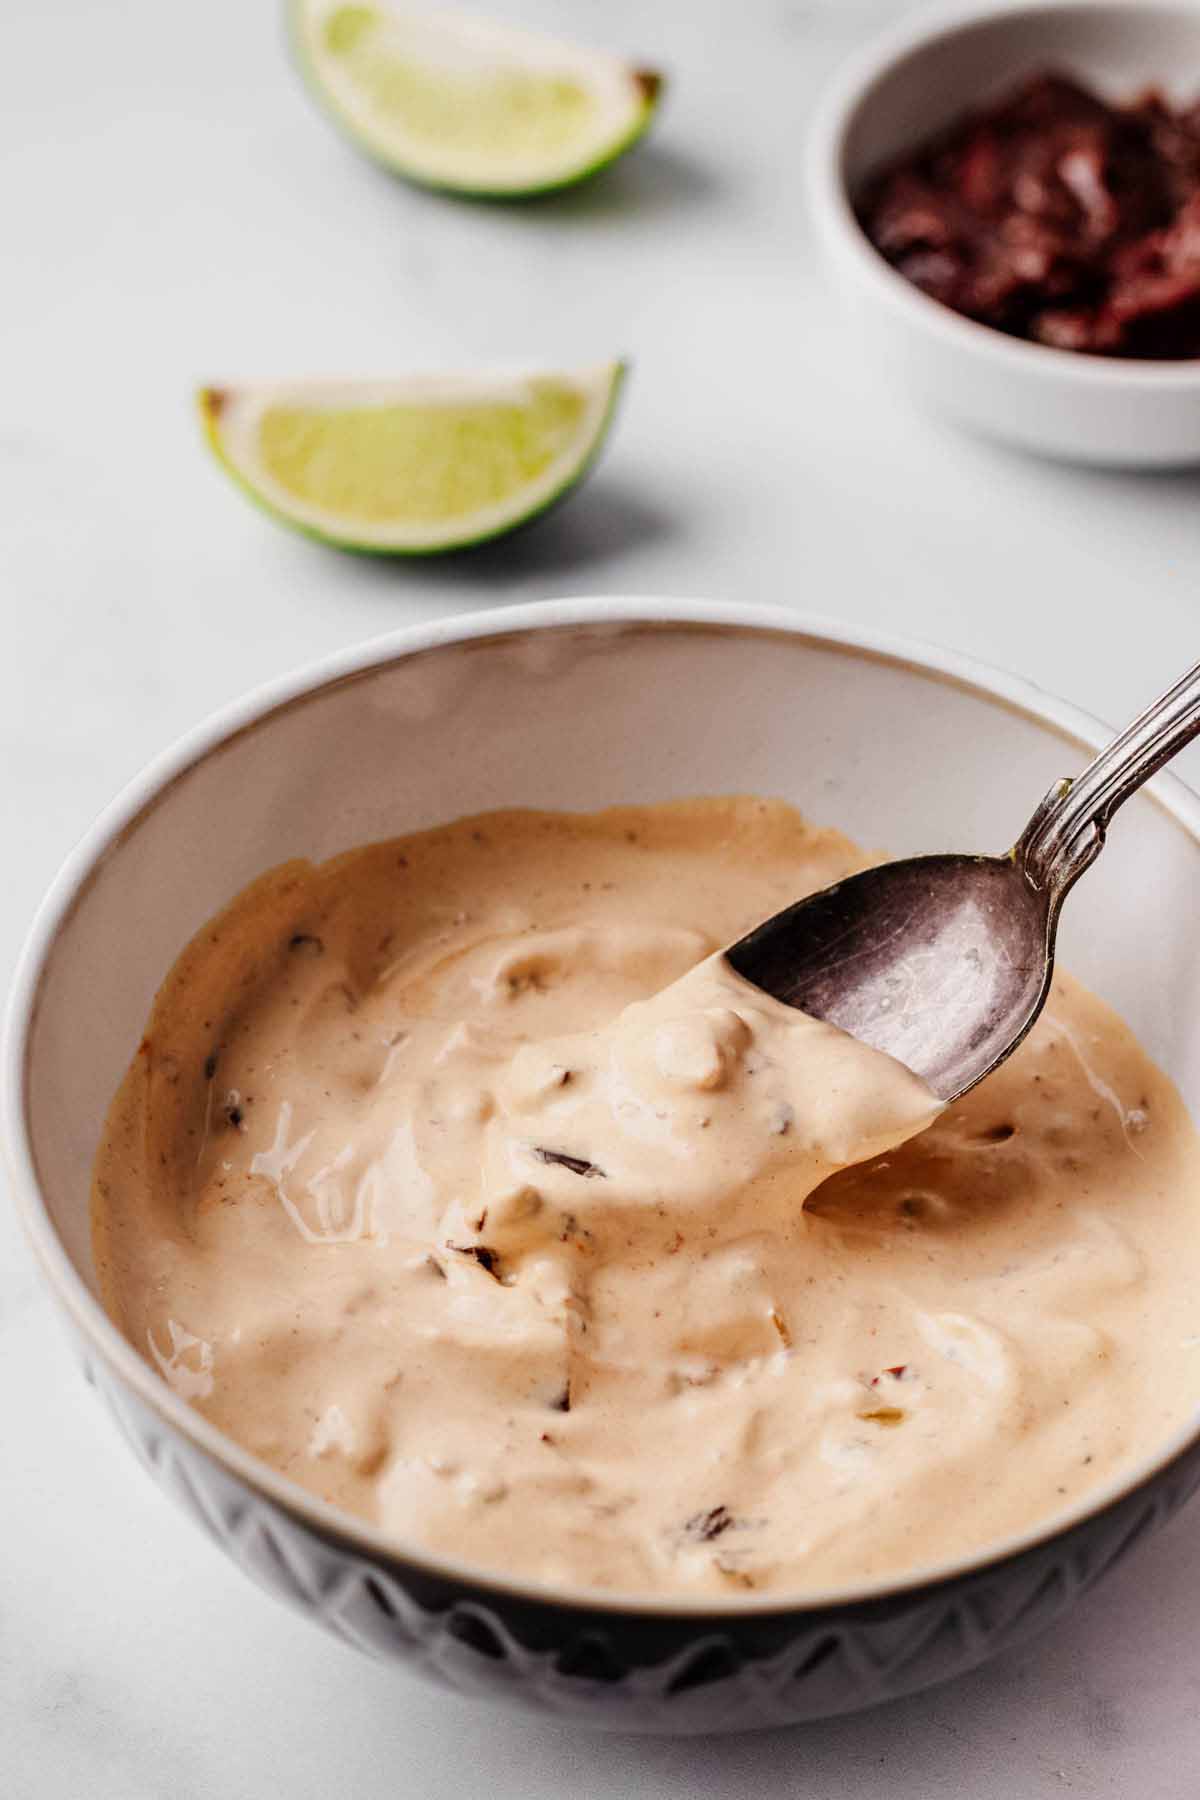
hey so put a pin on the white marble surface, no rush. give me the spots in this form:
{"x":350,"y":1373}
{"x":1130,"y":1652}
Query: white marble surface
{"x":175,"y":211}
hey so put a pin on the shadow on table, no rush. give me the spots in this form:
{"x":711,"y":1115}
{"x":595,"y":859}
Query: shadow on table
{"x":1123,"y":486}
{"x":653,"y":180}
{"x":602,"y":525}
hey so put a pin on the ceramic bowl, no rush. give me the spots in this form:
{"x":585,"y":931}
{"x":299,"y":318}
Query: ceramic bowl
{"x":903,"y":90}
{"x":579,"y":705}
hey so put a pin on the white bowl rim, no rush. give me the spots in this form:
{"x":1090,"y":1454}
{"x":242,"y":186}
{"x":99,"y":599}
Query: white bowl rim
{"x":254,"y":708}
{"x":829,"y":198}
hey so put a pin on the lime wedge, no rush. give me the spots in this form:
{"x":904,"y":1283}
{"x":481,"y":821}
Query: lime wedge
{"x":454,"y":101}
{"x":415,"y":466}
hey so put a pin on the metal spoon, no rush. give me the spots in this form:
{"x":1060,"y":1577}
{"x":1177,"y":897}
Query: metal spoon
{"x":945,"y":961}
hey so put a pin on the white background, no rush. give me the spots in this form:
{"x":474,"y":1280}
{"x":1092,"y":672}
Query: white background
{"x":174,"y":211}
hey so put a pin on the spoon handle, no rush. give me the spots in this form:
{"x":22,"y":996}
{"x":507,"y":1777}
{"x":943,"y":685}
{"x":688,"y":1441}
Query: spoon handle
{"x":1066,"y":833}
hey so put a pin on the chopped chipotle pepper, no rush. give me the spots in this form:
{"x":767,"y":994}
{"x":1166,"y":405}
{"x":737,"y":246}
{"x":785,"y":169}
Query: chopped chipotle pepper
{"x":1057,"y":217}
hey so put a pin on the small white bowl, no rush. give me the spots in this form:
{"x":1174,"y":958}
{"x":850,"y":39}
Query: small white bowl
{"x":904,"y":89}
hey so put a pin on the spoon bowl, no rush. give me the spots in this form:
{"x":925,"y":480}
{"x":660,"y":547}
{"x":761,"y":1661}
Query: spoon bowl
{"x":945,"y":962}
{"x":942,"y":961}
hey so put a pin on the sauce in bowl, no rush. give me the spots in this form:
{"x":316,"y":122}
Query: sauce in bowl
{"x":462,"y":1181}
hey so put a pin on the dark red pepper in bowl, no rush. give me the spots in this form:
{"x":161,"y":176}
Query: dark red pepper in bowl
{"x":1055,"y":216}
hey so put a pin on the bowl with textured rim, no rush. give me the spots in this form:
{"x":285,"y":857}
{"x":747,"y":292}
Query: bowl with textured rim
{"x":899,"y":92}
{"x":579,"y":704}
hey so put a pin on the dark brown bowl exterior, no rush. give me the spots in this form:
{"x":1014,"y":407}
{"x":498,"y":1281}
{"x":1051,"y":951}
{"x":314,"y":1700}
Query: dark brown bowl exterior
{"x":652,"y":1671}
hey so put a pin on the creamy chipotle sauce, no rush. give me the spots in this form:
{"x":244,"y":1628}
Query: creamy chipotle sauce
{"x":462,"y":1181}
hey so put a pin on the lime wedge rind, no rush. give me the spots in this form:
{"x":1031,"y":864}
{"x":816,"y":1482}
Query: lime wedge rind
{"x":626,"y":100}
{"x":231,"y":416}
